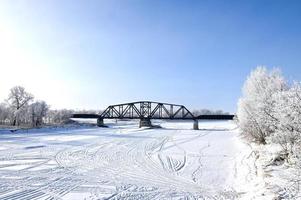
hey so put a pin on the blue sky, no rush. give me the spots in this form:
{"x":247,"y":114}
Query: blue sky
{"x":89,"y":54}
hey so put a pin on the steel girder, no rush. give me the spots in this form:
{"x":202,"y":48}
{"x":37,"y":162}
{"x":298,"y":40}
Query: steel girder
{"x":150,"y":110}
{"x":147,"y":109}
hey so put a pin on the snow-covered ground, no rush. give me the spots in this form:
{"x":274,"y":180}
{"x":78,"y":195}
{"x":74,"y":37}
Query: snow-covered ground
{"x":275,"y":178}
{"x":126,"y":162}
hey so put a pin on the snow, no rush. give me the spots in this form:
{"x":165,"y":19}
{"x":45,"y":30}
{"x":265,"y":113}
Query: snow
{"x":126,"y":162}
{"x":275,"y":180}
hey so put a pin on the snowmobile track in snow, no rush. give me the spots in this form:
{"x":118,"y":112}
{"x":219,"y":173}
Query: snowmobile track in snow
{"x":116,"y":163}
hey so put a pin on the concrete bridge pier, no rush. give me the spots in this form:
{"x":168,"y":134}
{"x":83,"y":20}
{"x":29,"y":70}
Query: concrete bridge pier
{"x":100,"y":122}
{"x":145,"y":122}
{"x":195,"y":124}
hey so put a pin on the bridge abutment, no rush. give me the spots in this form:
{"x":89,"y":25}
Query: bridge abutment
{"x":195,"y":124}
{"x":100,"y":122}
{"x":145,"y":122}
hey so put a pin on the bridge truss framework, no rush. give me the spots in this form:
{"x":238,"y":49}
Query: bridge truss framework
{"x":147,"y":110}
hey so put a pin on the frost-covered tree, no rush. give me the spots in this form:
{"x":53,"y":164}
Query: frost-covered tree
{"x":36,"y":112}
{"x":18,"y":99}
{"x":18,"y":110}
{"x":208,"y":112}
{"x":288,"y":113}
{"x":256,"y":108}
{"x":5,"y":113}
{"x":59,"y":116}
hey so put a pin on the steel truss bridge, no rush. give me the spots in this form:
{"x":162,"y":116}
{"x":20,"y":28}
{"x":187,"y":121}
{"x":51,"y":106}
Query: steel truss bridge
{"x":147,"y":110}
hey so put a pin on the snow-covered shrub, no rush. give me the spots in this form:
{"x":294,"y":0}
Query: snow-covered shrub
{"x":256,"y":107}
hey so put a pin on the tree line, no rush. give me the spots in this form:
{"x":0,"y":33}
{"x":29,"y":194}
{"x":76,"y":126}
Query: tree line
{"x":269,"y":111}
{"x":204,"y":111}
{"x":20,"y":109}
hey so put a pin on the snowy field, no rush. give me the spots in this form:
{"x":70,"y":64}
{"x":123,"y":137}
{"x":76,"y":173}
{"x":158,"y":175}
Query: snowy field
{"x":124,"y":162}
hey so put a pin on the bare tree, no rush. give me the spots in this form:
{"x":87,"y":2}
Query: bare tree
{"x":18,"y":99}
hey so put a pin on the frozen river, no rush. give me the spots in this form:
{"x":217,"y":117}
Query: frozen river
{"x":121,"y":162}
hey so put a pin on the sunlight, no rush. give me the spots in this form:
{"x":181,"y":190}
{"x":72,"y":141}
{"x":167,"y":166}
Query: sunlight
{"x":21,"y":66}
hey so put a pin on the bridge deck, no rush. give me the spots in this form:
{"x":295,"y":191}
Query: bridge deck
{"x":200,"y":117}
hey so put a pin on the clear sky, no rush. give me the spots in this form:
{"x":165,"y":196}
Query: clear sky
{"x":89,"y":54}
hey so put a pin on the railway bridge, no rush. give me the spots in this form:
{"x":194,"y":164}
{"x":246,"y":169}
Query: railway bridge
{"x":145,"y":111}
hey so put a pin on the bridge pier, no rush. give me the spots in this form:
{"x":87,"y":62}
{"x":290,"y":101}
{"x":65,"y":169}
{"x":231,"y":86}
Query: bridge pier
{"x":100,"y":122}
{"x":145,"y":122}
{"x":195,"y":124}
